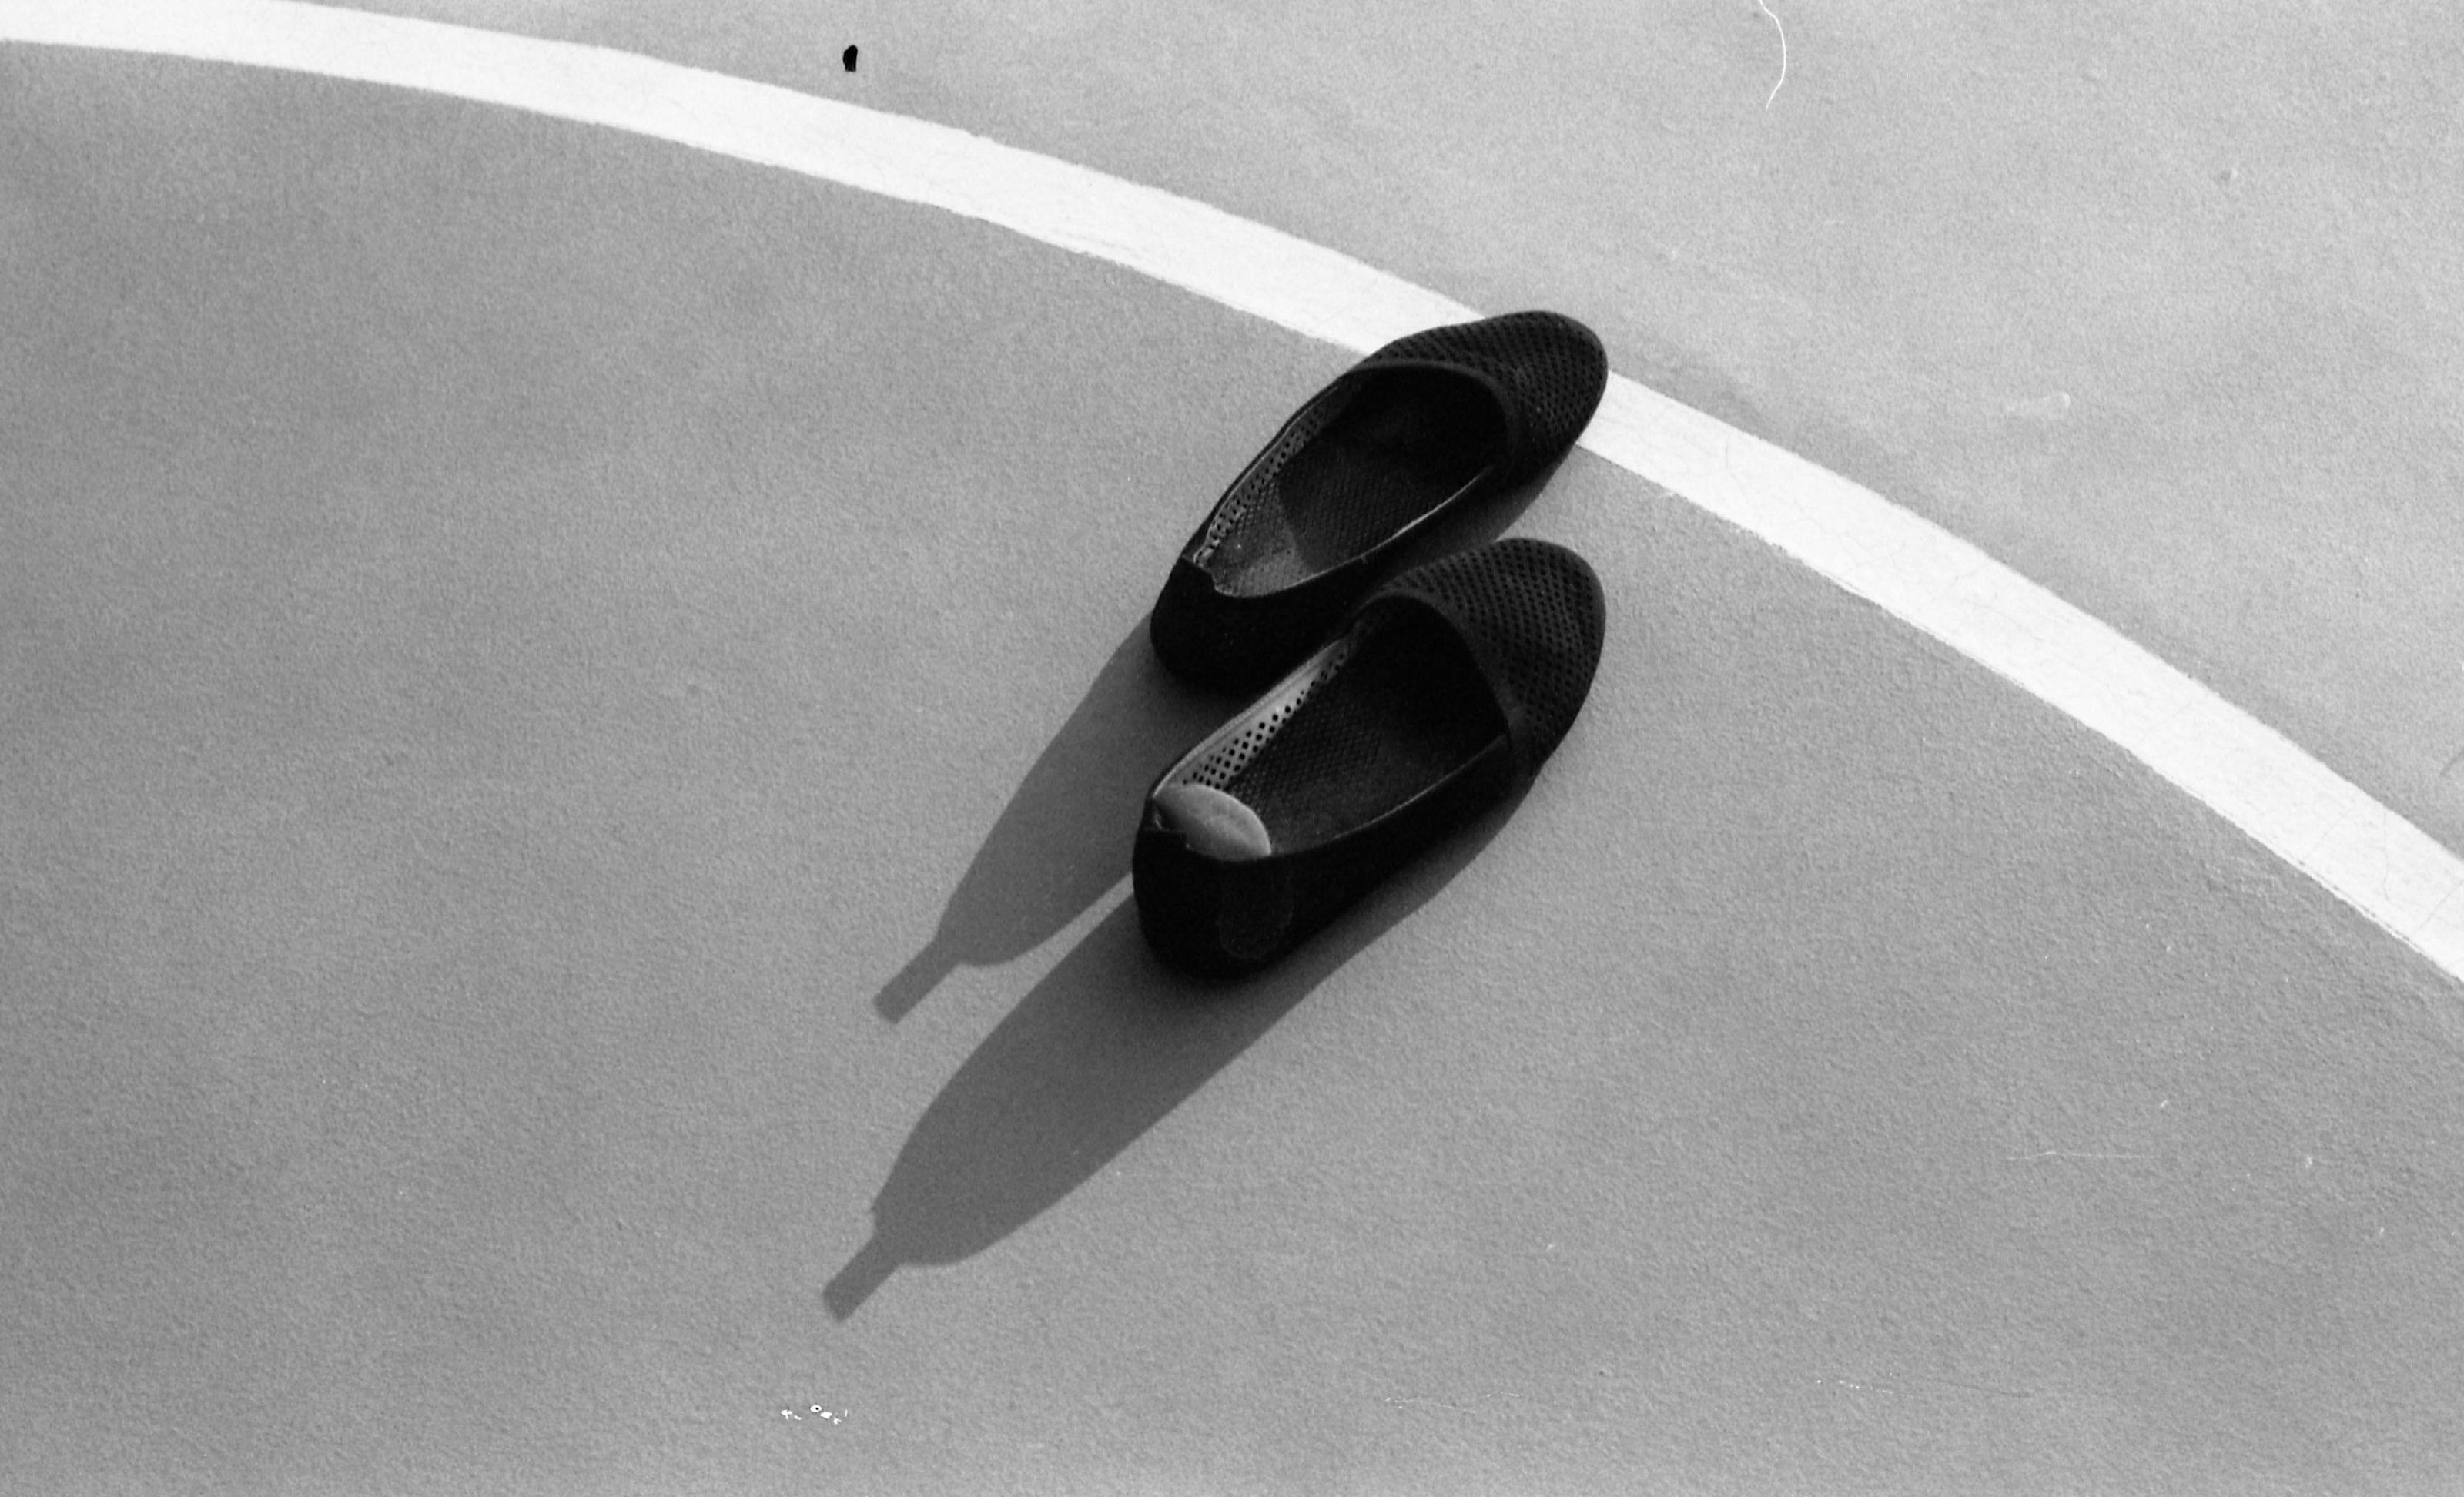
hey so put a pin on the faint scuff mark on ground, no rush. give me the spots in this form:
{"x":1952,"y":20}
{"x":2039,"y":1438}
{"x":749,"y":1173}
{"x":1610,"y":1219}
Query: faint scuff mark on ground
{"x":2045,"y":409}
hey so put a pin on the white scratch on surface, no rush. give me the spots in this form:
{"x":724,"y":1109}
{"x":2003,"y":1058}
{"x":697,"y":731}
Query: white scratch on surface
{"x":2043,"y":410}
{"x":1396,"y":1403}
{"x":1939,"y":1383}
{"x":1428,"y":1404}
{"x":1783,"y":53}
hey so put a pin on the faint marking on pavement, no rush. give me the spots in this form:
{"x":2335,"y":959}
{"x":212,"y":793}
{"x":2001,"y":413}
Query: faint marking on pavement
{"x":2381,"y":865}
{"x":1393,"y":1401}
{"x":1916,"y":1377}
{"x":2045,"y":409}
{"x":1783,"y":53}
{"x":1428,"y":1404}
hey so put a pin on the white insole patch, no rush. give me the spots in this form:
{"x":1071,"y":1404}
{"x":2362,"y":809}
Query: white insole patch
{"x":1217,"y":824}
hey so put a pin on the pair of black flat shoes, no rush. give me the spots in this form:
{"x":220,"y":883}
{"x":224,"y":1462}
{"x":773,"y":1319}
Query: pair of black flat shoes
{"x":1386,"y":720}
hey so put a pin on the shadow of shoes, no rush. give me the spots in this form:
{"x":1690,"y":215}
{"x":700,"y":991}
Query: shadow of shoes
{"x":1106,"y":1047}
{"x":1062,"y":841}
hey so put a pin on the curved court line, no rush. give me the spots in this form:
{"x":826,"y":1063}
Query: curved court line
{"x":2304,"y":812}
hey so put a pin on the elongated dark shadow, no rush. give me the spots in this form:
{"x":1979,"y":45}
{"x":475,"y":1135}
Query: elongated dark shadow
{"x":1063,"y":841}
{"x":1100,"y":1051}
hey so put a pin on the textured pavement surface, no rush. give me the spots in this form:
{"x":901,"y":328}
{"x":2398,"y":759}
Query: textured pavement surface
{"x":572,"y":719}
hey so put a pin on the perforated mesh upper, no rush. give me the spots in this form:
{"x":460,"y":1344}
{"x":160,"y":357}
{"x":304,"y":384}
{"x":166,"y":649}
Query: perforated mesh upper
{"x":1363,"y":758}
{"x":1555,"y":366}
{"x":1248,"y":546}
{"x":1219,"y":768}
{"x":1399,"y":699}
{"x":1393,"y":438}
{"x":1407,"y":710}
{"x":1538,"y":610}
{"x":1371,"y":453}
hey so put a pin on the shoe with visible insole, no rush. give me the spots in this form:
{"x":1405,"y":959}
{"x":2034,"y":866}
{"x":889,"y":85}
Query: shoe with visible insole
{"x":1429,"y":424}
{"x":1444,"y":691}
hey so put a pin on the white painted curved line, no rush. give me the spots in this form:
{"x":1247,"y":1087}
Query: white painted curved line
{"x":2313,"y":818}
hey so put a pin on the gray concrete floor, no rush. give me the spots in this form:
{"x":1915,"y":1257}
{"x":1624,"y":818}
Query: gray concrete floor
{"x":574,"y":712}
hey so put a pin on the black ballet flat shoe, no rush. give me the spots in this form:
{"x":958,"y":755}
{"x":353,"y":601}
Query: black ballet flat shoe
{"x":1431,"y":424}
{"x":1442,"y":693}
